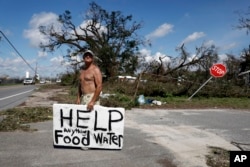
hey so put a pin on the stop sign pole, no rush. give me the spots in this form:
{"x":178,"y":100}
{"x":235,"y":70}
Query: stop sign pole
{"x":217,"y":70}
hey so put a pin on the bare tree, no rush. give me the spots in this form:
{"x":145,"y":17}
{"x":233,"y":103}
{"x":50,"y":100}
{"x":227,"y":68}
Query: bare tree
{"x":203,"y":59}
{"x":244,"y":23}
{"x":244,"y":20}
{"x":111,"y":35}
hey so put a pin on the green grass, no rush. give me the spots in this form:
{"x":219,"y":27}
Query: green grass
{"x":19,"y":118}
{"x":169,"y":102}
{"x":202,"y":102}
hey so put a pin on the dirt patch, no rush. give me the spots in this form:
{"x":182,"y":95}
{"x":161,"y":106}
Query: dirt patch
{"x":44,"y":98}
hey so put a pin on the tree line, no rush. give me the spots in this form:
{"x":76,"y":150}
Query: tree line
{"x":114,"y":39}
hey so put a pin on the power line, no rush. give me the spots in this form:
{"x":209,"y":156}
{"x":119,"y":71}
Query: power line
{"x":17,"y":51}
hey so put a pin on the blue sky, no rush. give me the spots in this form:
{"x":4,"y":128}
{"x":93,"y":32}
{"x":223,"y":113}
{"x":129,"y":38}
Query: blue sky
{"x":167,"y":23}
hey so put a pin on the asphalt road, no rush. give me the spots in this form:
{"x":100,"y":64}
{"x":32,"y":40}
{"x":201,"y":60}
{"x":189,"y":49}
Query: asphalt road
{"x":152,"y":138}
{"x":11,"y":96}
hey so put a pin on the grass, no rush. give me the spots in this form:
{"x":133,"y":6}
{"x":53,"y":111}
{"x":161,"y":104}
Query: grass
{"x":202,"y":103}
{"x":19,"y":118}
{"x":218,"y":157}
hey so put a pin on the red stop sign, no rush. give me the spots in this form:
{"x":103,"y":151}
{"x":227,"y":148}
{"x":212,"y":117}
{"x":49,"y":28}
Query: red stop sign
{"x":218,"y":70}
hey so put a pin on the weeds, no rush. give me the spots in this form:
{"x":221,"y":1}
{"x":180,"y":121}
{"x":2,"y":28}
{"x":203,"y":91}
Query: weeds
{"x":18,"y":118}
{"x":218,"y":157}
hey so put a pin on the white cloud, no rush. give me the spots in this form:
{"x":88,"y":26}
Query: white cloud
{"x":41,"y":19}
{"x":192,"y":57}
{"x":223,"y":47}
{"x":55,"y":64}
{"x":42,"y":54}
{"x":14,"y":67}
{"x":148,"y":57}
{"x":5,"y":63}
{"x":193,"y":37}
{"x":85,"y":23}
{"x":57,"y":60}
{"x":209,"y":43}
{"x":222,"y":58}
{"x":161,"y":31}
{"x":164,"y":57}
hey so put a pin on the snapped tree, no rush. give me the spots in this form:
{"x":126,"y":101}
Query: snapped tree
{"x":110,"y":35}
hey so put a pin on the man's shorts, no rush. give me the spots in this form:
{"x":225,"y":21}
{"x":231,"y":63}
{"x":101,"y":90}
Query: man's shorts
{"x":86,"y":98}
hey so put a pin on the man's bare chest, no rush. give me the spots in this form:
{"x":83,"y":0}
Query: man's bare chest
{"x":87,"y":76}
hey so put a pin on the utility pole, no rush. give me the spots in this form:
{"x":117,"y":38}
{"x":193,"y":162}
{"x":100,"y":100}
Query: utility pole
{"x":36,"y":77}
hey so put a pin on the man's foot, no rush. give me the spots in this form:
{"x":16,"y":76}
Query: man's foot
{"x":84,"y":148}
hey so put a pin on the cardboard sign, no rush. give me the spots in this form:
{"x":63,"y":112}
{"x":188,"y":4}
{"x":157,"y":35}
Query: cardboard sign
{"x":75,"y":126}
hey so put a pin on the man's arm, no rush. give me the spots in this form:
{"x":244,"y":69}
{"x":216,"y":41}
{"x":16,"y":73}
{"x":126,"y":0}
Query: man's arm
{"x":79,"y":92}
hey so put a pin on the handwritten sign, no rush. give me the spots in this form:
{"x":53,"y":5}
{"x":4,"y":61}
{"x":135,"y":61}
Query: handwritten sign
{"x":75,"y":126}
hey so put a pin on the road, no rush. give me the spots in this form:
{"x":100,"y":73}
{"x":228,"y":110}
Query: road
{"x":188,"y":134}
{"x":11,"y":96}
{"x":152,"y":138}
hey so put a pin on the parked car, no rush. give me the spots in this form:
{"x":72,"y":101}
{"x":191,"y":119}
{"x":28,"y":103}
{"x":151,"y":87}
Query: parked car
{"x":42,"y":81}
{"x":58,"y":81}
{"x":28,"y":81}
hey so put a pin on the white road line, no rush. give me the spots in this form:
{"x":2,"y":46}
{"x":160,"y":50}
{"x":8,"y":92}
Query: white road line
{"x":15,"y":95}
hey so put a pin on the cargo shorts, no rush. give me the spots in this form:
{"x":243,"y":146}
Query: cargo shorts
{"x":86,"y":98}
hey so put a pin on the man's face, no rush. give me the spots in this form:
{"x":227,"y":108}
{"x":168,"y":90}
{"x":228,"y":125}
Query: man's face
{"x":88,"y":57}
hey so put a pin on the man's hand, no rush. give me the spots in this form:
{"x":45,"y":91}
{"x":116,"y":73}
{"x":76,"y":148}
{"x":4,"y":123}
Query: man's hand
{"x":90,"y":106}
{"x":78,"y":101}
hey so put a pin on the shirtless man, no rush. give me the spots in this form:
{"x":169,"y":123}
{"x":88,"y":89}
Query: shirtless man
{"x":90,"y":82}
